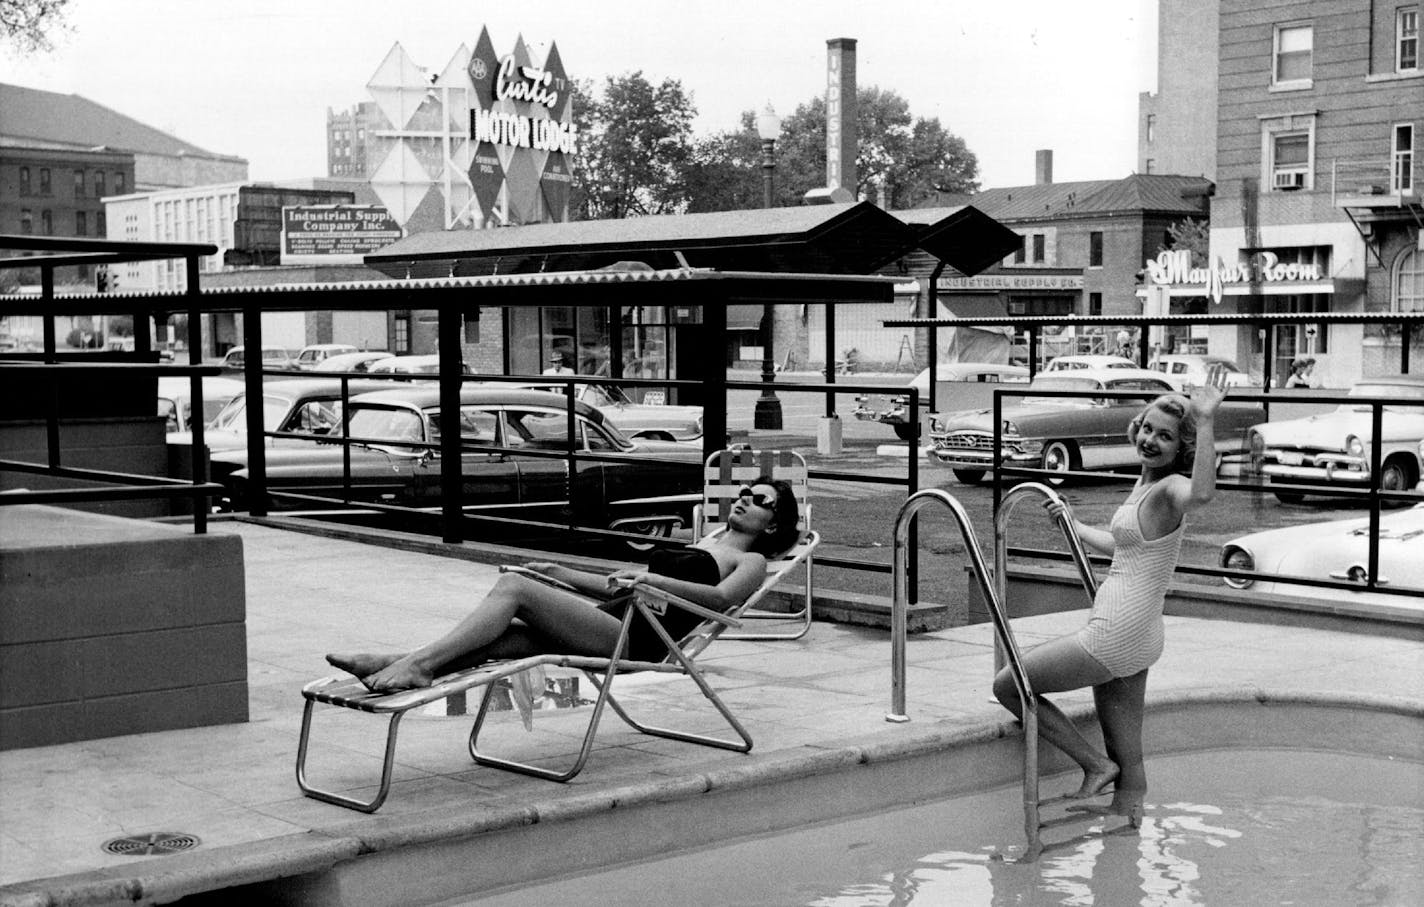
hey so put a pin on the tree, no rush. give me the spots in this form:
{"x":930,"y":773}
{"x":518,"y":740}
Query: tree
{"x":1192,"y":235}
{"x":912,"y":159}
{"x":27,"y":24}
{"x":636,"y":142}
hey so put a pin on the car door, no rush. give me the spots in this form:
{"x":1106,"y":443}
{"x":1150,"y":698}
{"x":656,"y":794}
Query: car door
{"x":539,"y":441}
{"x":489,"y":478}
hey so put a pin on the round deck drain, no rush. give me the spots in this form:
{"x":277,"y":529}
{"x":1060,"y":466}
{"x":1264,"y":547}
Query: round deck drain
{"x":154,"y":844}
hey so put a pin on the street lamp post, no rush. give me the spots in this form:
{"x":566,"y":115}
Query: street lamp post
{"x":768,"y":408}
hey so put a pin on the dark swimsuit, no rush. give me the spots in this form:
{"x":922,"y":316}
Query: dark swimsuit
{"x":692,"y":565}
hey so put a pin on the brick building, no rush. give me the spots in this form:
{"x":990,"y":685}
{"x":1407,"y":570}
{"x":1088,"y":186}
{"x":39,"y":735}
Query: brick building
{"x":1319,"y":115}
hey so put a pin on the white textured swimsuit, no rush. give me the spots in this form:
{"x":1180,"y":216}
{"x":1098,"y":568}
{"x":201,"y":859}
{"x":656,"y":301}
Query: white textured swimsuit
{"x":1124,"y":631}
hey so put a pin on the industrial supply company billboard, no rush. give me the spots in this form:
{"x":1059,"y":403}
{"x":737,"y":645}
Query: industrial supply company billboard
{"x":335,"y":234}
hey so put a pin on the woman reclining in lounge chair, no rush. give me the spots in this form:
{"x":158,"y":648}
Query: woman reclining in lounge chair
{"x":522,"y":616}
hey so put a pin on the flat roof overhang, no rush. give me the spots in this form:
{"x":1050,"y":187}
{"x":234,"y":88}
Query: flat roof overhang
{"x":853,"y":238}
{"x":563,"y":288}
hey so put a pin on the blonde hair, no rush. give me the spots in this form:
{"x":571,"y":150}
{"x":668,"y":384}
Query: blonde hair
{"x":1176,"y":406}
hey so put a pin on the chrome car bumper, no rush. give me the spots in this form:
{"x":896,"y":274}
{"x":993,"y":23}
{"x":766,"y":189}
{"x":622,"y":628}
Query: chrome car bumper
{"x":1317,"y":468}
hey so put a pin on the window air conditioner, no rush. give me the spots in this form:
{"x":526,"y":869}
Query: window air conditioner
{"x":1294,"y":179}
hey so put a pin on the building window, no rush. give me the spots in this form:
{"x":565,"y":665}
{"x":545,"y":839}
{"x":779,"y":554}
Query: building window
{"x":45,"y":187}
{"x":27,"y":221}
{"x":401,"y":343}
{"x":1150,"y":166}
{"x":1292,"y":57}
{"x":79,"y":184}
{"x":1021,"y":253}
{"x":1406,"y":44}
{"x":1290,"y":161}
{"x":101,"y":225}
{"x":1408,"y":291}
{"x":1040,"y":246}
{"x":1095,"y":303}
{"x":81,"y":223}
{"x":98,"y":184}
{"x":46,"y":222}
{"x":119,"y":183}
{"x":1151,"y":128}
{"x":1401,"y":171}
{"x":1095,"y":249}
{"x":24,"y":180}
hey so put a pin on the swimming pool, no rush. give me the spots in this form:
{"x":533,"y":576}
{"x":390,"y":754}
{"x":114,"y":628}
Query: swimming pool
{"x":798,"y":796}
{"x":1222,"y":827}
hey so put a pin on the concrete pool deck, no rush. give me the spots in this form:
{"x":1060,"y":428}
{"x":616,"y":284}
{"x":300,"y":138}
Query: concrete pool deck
{"x":821,"y":700}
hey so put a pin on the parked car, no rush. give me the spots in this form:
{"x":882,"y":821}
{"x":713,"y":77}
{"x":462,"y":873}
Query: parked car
{"x":273,"y":357}
{"x":411,"y":365}
{"x":1338,"y":550}
{"x":660,"y":422}
{"x":1334,"y":448}
{"x":950,"y":378}
{"x":310,"y":356}
{"x":1076,"y":363}
{"x":1069,"y":433}
{"x":390,"y":463}
{"x":352,"y":362}
{"x":310,"y":406}
{"x":1187,"y":370}
{"x":175,"y":401}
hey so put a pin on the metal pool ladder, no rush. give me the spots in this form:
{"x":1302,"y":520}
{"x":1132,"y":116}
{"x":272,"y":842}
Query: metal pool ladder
{"x":993,"y":587}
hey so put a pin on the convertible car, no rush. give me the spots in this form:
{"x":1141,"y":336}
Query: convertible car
{"x":1334,"y":449}
{"x":1067,"y":434}
{"x":510,"y":466}
{"x":1337,"y":550}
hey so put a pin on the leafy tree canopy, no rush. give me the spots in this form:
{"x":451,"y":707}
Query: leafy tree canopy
{"x":27,"y":24}
{"x":637,"y":154}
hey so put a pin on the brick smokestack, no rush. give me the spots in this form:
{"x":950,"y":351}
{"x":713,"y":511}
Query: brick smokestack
{"x":1043,"y":167}
{"x":840,"y":115}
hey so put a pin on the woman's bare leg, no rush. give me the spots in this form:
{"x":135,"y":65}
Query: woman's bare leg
{"x":569,"y":622}
{"x":1120,"y":704}
{"x":1058,"y":665}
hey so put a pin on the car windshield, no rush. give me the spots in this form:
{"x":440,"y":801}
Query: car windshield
{"x":234,"y":416}
{"x":1411,"y":391}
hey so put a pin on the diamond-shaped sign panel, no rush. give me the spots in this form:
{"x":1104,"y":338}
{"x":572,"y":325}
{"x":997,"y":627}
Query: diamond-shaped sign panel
{"x":554,"y":66}
{"x":521,"y":60}
{"x":522,"y":181}
{"x":484,"y":65}
{"x":555,"y":183}
{"x":398,"y":86}
{"x":401,"y":182}
{"x":486,"y":176}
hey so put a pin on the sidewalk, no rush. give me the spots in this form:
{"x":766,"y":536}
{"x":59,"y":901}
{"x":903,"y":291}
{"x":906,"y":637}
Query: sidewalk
{"x":233,"y":786}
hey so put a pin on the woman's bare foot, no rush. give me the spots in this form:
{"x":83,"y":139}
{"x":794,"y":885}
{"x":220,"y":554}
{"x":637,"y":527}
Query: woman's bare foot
{"x":362,"y":665}
{"x":1096,"y":782}
{"x":401,"y":674}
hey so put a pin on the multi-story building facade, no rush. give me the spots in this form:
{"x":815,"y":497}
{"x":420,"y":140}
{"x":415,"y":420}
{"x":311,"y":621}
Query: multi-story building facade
{"x":349,"y":138}
{"x":1320,"y":111}
{"x":1176,"y":126}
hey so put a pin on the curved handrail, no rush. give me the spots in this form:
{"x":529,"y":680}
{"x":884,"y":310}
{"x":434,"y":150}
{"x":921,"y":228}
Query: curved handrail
{"x":1001,"y":546}
{"x":898,"y":621}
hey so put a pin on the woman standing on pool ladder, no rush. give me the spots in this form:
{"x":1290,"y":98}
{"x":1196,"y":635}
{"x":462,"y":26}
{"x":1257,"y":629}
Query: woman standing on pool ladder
{"x":1124,"y":633}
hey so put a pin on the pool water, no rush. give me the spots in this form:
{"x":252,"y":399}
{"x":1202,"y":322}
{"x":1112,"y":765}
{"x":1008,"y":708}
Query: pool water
{"x":1220,"y":827}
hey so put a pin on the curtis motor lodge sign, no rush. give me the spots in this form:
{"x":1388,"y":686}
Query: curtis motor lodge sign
{"x":1175,"y":268}
{"x":522,"y":127}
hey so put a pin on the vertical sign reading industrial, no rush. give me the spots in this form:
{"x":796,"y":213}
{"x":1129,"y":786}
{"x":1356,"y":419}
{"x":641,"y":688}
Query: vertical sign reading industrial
{"x":335,"y":234}
{"x":522,"y":127}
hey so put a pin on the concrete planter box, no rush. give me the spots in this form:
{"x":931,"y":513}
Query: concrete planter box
{"x":112,"y":626}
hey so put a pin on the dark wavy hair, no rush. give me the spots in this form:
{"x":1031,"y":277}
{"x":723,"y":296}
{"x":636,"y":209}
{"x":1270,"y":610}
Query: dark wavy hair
{"x":1174,"y":405}
{"x":786,"y":517}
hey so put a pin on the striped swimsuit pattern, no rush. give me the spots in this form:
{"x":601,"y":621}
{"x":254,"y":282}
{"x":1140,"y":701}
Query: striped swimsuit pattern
{"x":1125,"y":630}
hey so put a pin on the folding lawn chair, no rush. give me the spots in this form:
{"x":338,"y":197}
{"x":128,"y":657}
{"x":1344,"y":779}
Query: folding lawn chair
{"x":727,"y":471}
{"x":725,"y":476}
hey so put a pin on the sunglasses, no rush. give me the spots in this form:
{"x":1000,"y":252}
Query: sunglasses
{"x":764,"y":501}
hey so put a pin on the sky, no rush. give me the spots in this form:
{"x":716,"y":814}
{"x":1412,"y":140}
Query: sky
{"x":254,"y":78}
